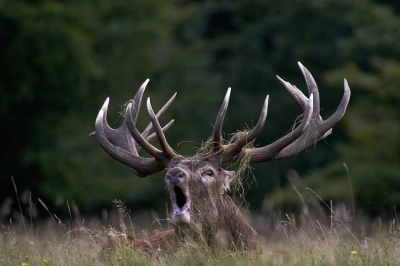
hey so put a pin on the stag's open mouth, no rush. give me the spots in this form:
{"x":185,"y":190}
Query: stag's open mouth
{"x":180,"y":205}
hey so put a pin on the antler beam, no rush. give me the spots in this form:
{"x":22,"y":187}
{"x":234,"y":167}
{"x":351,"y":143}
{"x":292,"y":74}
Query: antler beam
{"x":311,"y":129}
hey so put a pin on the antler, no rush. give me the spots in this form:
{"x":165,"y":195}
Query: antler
{"x":124,"y":143}
{"x":311,"y":129}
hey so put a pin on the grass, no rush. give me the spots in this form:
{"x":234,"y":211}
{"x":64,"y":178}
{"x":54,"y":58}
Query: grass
{"x":86,"y":247}
{"x":318,"y":234}
{"x":310,"y":243}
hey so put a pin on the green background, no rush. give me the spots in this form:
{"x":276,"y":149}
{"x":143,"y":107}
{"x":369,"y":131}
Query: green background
{"x":59,"y":60}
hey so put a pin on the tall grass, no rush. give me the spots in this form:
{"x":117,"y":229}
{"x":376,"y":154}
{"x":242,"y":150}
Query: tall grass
{"x":318,"y":233}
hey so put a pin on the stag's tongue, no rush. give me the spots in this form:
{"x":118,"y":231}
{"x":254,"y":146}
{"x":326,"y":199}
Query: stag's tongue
{"x":178,"y":210}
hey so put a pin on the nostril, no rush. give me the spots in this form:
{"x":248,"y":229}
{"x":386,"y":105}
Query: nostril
{"x":175,"y":177}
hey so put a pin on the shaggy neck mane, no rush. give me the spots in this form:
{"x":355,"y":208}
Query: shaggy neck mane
{"x":233,"y":228}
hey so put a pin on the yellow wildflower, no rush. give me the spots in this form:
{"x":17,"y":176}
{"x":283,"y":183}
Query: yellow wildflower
{"x":353,"y":252}
{"x":24,"y":264}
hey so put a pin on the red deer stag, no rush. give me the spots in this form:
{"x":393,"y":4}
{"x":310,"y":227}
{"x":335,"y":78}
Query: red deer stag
{"x":197,"y":185}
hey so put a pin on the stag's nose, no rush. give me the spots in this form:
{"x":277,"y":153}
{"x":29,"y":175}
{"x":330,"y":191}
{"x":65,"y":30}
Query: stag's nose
{"x":175,"y":176}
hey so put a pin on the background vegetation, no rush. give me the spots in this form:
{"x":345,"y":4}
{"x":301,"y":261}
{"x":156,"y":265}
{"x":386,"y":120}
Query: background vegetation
{"x":59,"y":60}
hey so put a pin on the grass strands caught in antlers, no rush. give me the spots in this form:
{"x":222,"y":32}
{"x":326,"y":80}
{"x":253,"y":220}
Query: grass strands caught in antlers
{"x":122,"y":111}
{"x":243,"y":170}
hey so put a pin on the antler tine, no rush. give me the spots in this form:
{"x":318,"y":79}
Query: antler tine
{"x":150,"y":149}
{"x":168,"y":151}
{"x":141,"y":166}
{"x":146,"y":132}
{"x":137,"y":102}
{"x":311,"y":86}
{"x":339,"y":113}
{"x":217,"y":138}
{"x":153,"y":136}
{"x":295,"y":92}
{"x":118,"y":137}
{"x":233,"y":149}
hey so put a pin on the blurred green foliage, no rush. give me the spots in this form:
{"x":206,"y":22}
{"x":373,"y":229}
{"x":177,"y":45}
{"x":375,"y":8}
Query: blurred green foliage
{"x":60,"y":60}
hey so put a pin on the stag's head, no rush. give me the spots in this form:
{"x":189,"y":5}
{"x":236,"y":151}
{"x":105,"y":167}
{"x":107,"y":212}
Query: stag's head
{"x":197,"y":184}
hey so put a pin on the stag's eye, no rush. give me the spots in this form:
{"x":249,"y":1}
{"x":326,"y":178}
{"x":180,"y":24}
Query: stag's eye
{"x":209,"y":173}
{"x":207,"y":176}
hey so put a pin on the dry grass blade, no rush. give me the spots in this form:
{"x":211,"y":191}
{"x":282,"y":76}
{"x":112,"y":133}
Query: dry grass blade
{"x":20,"y":208}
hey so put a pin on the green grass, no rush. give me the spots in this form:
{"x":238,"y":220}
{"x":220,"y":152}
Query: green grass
{"x":317,"y":234}
{"x":310,"y":243}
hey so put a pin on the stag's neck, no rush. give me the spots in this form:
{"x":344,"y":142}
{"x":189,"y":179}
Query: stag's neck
{"x":233,"y":228}
{"x":225,"y":227}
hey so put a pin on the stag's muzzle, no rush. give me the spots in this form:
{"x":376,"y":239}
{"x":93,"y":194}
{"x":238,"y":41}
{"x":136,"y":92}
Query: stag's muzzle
{"x":176,"y":181}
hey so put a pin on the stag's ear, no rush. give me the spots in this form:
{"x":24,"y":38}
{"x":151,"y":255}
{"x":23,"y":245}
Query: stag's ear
{"x":228,"y":177}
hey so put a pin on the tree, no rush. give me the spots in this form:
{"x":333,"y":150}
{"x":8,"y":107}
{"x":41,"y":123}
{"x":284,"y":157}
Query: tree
{"x":62,"y":59}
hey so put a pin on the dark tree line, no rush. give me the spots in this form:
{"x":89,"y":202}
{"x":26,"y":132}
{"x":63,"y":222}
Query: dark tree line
{"x":60,"y":60}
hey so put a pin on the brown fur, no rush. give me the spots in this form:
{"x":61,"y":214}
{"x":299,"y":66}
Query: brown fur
{"x":229,"y":230}
{"x":158,"y":242}
{"x":215,"y":220}
{"x":233,"y":228}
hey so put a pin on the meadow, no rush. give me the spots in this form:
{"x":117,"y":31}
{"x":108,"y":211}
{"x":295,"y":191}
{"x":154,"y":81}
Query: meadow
{"x":318,"y":233}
